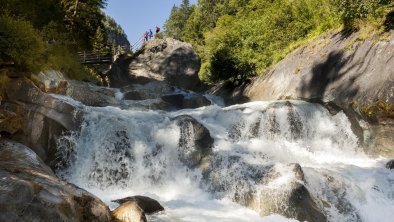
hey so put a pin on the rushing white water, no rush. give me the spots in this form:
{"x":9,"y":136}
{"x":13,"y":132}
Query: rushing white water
{"x":120,"y":153}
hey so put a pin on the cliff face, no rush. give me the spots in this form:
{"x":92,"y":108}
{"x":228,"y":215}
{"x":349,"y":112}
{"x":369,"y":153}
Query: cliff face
{"x":357,"y":76}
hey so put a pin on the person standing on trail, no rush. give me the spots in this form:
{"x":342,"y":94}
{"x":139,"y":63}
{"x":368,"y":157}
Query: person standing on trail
{"x":150,"y":34}
{"x":146,"y":35}
{"x":157,"y":30}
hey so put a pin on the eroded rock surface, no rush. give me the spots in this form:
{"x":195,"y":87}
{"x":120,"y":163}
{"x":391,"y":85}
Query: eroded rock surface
{"x":356,"y":75}
{"x":171,"y":60}
{"x":36,"y":119}
{"x":29,"y":191}
{"x":195,"y":142}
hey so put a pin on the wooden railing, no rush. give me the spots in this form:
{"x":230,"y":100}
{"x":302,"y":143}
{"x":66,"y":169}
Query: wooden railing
{"x":95,"y":57}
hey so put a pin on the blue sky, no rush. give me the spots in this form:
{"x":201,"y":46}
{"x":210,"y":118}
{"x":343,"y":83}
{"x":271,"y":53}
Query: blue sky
{"x":137,"y":16}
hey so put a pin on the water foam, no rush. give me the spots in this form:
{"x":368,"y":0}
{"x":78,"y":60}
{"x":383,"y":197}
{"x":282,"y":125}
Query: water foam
{"x":120,"y":153}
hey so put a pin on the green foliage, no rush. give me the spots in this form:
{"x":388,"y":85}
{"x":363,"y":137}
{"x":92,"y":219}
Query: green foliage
{"x":237,"y":39}
{"x":46,"y":34}
{"x":115,"y":33}
{"x":257,"y":36}
{"x":353,"y":10}
{"x":20,"y":43}
{"x":100,"y":41}
{"x":174,"y":27}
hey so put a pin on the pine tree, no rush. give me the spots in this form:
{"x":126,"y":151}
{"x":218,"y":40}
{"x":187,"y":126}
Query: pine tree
{"x":99,"y":41}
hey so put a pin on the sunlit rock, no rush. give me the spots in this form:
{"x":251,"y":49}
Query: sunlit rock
{"x":29,"y":191}
{"x":129,"y":211}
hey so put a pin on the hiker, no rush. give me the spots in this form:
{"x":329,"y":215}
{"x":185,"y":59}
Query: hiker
{"x":157,"y":31}
{"x":150,"y":34}
{"x":146,"y":35}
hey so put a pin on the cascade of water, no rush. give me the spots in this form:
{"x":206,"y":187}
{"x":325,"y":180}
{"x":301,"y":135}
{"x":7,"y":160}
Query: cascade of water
{"x":261,"y":153}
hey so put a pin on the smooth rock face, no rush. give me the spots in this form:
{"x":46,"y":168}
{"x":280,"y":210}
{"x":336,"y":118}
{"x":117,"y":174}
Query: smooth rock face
{"x":88,"y":94}
{"x":37,"y":119}
{"x":29,"y":191}
{"x":195,"y":141}
{"x":147,"y":204}
{"x":170,"y":60}
{"x":91,"y":95}
{"x":355,"y":75}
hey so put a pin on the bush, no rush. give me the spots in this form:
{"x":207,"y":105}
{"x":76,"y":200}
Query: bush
{"x":260,"y":35}
{"x":21,"y":44}
{"x":353,"y":10}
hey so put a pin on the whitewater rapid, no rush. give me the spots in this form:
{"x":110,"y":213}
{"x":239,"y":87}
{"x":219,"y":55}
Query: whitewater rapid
{"x":119,"y":153}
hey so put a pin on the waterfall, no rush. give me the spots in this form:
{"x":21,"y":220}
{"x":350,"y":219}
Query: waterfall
{"x":260,"y":151}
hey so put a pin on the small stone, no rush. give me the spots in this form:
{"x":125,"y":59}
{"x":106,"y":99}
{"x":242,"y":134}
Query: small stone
{"x":390,"y":164}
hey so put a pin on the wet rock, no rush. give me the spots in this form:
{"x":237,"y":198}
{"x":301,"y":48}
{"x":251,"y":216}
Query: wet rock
{"x":147,"y":204}
{"x":128,"y":211}
{"x":91,"y":95}
{"x":354,"y":81}
{"x":190,"y":101}
{"x":29,"y":191}
{"x":195,"y":142}
{"x":37,"y":119}
{"x":195,"y":101}
{"x":292,"y":201}
{"x":52,"y":81}
{"x":138,"y":95}
{"x":250,"y":185}
{"x":390,"y":165}
{"x":175,"y":99}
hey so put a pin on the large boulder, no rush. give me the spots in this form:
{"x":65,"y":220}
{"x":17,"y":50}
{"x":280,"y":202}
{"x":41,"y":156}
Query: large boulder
{"x":355,"y":75}
{"x":195,"y":143}
{"x":52,"y":81}
{"x":37,"y":119}
{"x":29,"y":191}
{"x":263,"y":187}
{"x":171,"y":60}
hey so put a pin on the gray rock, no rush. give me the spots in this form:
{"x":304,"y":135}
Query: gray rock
{"x":174,"y":99}
{"x":195,"y":142}
{"x":245,"y":183}
{"x":390,"y":165}
{"x":91,"y":95}
{"x":356,"y":76}
{"x":147,"y":204}
{"x":293,"y":201}
{"x":170,"y":60}
{"x":195,"y":101}
{"x":37,"y":119}
{"x":190,"y":101}
{"x":29,"y":191}
{"x":52,"y":81}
